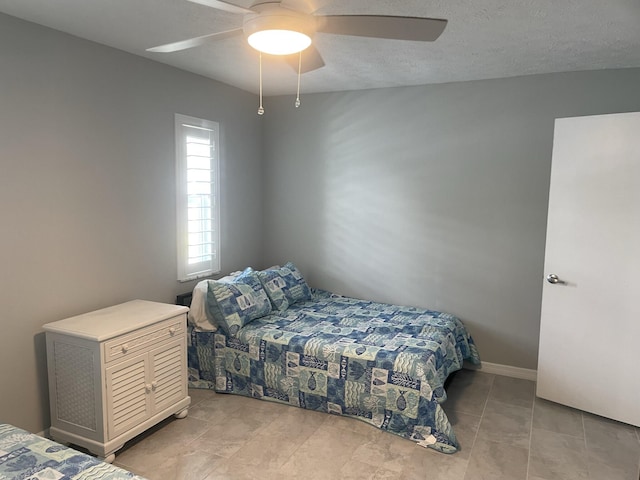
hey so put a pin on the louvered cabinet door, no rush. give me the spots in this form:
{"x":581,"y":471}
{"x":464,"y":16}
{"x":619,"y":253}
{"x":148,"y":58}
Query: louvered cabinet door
{"x":168,"y":374}
{"x":128,"y":394}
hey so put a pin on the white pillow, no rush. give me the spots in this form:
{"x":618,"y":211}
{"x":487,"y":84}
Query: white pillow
{"x":198,"y":311}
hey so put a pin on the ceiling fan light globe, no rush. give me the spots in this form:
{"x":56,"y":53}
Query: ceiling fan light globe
{"x":276,"y":30}
{"x":279,"y":42}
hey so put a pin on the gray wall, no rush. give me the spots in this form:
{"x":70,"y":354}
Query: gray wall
{"x":433,"y":196}
{"x":87,"y":190}
{"x":430,"y":196}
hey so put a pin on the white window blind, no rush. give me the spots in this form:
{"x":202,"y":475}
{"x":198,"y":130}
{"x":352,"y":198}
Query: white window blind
{"x":197,"y":168}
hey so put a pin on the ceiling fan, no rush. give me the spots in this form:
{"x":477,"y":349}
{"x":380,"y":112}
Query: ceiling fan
{"x":286,"y":27}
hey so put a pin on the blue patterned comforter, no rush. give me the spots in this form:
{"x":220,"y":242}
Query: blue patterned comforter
{"x":383,"y":364}
{"x":24,"y":455}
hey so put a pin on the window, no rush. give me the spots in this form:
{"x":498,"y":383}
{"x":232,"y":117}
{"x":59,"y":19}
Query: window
{"x":198,"y":188}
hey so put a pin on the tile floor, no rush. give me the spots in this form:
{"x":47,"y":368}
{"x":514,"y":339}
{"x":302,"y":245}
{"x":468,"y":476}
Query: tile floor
{"x":504,"y":432}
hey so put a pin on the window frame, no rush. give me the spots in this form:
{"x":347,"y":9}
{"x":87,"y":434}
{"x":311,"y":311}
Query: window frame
{"x":185,"y":270}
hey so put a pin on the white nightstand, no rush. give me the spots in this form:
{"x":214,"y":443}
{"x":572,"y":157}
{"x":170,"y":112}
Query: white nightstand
{"x":114,"y":373}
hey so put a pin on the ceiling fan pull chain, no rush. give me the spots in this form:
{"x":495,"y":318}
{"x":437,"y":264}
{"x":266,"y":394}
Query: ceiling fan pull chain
{"x":297,"y":104}
{"x":260,"y":108}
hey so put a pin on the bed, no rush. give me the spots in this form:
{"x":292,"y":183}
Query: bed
{"x":24,"y":455}
{"x":267,"y":335}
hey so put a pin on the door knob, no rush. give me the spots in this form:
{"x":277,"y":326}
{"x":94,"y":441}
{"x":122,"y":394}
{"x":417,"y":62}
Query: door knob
{"x":553,"y":278}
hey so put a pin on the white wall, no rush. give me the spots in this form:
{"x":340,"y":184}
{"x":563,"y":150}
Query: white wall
{"x":87,"y":190}
{"x":432,"y":196}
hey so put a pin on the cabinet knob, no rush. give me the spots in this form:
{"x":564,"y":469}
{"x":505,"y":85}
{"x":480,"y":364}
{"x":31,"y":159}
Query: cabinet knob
{"x":147,"y":387}
{"x":125,"y":348}
{"x":172,"y":330}
{"x":154,"y":385}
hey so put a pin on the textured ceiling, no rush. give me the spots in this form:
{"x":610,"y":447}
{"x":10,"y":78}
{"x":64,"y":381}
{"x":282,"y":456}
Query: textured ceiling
{"x":483,"y":39}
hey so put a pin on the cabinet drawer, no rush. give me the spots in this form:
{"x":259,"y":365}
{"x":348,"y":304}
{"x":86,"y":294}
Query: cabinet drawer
{"x":131,"y":343}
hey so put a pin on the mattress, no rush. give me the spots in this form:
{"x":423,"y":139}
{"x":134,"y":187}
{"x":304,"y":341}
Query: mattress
{"x":24,"y":455}
{"x":382,"y":364}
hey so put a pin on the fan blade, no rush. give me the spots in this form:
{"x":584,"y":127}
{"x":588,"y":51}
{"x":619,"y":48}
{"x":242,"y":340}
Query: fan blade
{"x":311,"y":60}
{"x":220,"y":5}
{"x":194,"y":42}
{"x":383,"y":26}
{"x":307,"y":6}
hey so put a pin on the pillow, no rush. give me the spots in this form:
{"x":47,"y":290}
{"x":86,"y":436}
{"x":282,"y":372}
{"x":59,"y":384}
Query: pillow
{"x":234,"y":303}
{"x":232,"y":276}
{"x":285,"y":286}
{"x":198,"y":315}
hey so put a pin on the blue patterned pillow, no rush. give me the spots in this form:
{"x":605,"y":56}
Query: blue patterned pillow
{"x":233,"y":304}
{"x":285,"y":286}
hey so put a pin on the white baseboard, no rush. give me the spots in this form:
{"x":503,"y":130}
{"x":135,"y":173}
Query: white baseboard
{"x":506,"y":370}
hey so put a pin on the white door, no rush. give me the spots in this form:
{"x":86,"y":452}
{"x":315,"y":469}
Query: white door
{"x":590,"y":320}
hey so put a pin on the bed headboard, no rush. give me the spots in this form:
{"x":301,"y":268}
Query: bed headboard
{"x":184,"y":299}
